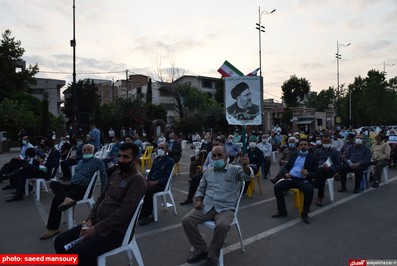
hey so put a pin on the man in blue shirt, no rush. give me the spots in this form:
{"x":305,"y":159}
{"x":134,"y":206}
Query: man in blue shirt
{"x":95,"y":137}
{"x":156,"y":181}
{"x":298,"y":173}
{"x":357,"y":159}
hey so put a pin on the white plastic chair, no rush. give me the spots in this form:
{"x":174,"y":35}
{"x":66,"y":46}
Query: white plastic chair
{"x":330,"y":183}
{"x":40,"y":183}
{"x":164,"y":193}
{"x":386,"y":174}
{"x":88,"y":199}
{"x":129,"y":244}
{"x":211,"y":225}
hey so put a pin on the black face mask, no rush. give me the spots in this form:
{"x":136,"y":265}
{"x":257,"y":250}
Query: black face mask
{"x":125,"y":167}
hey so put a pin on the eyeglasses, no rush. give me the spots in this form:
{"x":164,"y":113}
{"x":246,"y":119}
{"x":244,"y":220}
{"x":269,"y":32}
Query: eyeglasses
{"x":217,"y":155}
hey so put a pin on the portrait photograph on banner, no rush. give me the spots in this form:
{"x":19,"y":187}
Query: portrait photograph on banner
{"x":243,"y":100}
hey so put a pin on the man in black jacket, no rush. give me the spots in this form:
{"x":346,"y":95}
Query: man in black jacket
{"x":298,"y":173}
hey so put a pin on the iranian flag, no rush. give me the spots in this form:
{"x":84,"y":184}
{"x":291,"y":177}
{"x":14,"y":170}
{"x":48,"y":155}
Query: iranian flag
{"x":327,"y":163}
{"x":253,"y":73}
{"x":228,"y":70}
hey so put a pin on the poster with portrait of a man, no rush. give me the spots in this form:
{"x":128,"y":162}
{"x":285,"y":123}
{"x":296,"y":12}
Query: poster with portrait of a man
{"x":243,"y":100}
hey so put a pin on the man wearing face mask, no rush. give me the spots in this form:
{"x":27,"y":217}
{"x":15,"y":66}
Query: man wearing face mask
{"x":232,"y":148}
{"x":216,"y":198}
{"x":43,"y":168}
{"x":109,"y":219}
{"x":284,"y":158}
{"x":15,"y":163}
{"x":266,"y":148}
{"x":328,"y":166}
{"x":357,"y":159}
{"x":380,"y":158}
{"x":66,"y":195}
{"x":298,"y":173}
{"x":256,"y":158}
{"x":156,"y":181}
{"x":72,"y":160}
{"x":174,"y":148}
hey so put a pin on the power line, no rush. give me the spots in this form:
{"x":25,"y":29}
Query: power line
{"x":87,"y":73}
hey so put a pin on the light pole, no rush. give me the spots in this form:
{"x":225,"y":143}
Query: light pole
{"x":73,"y":44}
{"x":261,"y":29}
{"x":384,"y":67}
{"x":338,"y":57}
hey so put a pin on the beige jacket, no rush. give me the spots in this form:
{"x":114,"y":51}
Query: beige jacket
{"x":380,"y":151}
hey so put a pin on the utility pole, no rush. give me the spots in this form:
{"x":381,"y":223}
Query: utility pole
{"x":73,"y":44}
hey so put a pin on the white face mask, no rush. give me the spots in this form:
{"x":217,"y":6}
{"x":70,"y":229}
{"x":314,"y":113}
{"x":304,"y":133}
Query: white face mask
{"x":359,"y":141}
{"x":252,"y":145}
{"x":160,"y":152}
{"x":327,"y":145}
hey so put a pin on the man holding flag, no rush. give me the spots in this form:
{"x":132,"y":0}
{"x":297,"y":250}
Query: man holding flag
{"x":328,"y":166}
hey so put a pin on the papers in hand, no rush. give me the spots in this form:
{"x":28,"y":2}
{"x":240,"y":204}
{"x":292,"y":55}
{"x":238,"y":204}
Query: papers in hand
{"x":328,"y":163}
{"x":43,"y":168}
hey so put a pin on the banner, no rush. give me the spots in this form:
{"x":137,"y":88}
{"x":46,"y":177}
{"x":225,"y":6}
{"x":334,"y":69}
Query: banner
{"x":243,"y":100}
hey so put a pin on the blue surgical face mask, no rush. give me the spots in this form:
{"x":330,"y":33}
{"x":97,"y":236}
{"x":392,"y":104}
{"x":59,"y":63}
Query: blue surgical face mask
{"x":291,"y":145}
{"x":303,"y":152}
{"x":24,"y":142}
{"x":218,"y":164}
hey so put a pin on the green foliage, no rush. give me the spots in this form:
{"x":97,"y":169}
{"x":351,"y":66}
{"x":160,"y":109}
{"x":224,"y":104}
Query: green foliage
{"x":11,"y":80}
{"x":295,"y":90}
{"x":149,"y":93}
{"x":88,"y":101}
{"x":321,"y":101}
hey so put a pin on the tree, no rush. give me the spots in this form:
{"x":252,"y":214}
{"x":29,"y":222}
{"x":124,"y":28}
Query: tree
{"x":149,"y":93}
{"x":88,"y":102}
{"x":321,"y":101}
{"x":295,"y":91}
{"x":13,"y":77}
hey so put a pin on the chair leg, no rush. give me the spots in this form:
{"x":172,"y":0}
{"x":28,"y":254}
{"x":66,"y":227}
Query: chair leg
{"x":330,"y":183}
{"x":386,"y":174}
{"x":173,"y":203}
{"x":136,"y":252}
{"x":240,"y":236}
{"x":220,"y":259}
{"x":258,"y":178}
{"x":155,"y":214}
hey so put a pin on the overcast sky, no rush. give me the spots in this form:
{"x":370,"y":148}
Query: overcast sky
{"x":198,"y":36}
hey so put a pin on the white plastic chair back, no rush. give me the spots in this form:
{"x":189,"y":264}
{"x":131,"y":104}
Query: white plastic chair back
{"x":129,"y":243}
{"x":164,"y":193}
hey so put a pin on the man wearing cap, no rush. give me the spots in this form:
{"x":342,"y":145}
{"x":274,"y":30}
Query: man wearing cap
{"x":243,"y":108}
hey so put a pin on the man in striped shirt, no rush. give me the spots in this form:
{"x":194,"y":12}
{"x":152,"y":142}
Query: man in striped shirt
{"x":66,"y":195}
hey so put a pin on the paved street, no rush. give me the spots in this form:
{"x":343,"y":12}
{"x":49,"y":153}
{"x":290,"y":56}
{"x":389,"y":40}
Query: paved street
{"x":355,"y":226}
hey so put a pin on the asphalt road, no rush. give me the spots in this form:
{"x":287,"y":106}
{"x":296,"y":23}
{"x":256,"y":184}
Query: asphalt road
{"x":355,"y":226}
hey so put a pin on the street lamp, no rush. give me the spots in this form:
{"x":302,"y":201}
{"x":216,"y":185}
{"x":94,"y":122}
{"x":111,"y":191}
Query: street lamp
{"x":384,"y":67}
{"x":338,"y":57}
{"x":261,"y":29}
{"x":73,"y":44}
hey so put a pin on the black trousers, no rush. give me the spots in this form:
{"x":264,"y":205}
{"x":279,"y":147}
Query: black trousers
{"x":12,"y":165}
{"x":358,"y":175}
{"x":89,"y":249}
{"x":323,"y":174}
{"x":28,"y":171}
{"x":302,"y":184}
{"x":147,"y":207}
{"x":62,"y":191}
{"x":194,"y":183}
{"x":65,"y":166}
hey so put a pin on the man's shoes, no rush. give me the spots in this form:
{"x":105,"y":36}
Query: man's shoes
{"x":306,"y":218}
{"x":279,"y":215}
{"x":197,"y":257}
{"x":145,"y":220}
{"x":319,"y":202}
{"x":15,"y":198}
{"x":65,"y":178}
{"x":356,"y":191}
{"x":49,"y":234}
{"x":371,"y":177}
{"x":8,"y":187}
{"x":274,"y":181}
{"x":375,"y":184}
{"x":211,"y":262}
{"x":66,"y":205}
{"x":186,"y":202}
{"x":342,"y":189}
